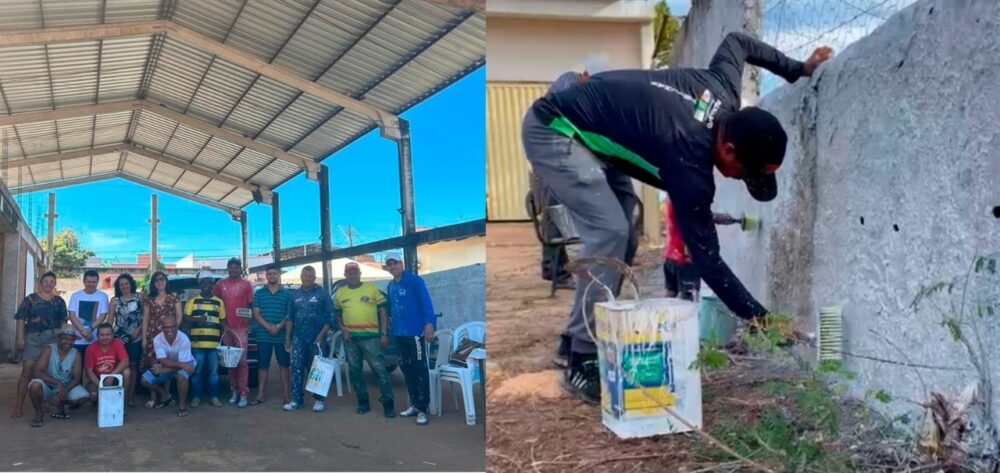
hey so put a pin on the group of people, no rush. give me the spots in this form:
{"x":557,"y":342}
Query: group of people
{"x":67,"y":348}
{"x":589,"y":136}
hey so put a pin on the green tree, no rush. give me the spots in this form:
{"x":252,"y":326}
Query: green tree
{"x":68,"y":256}
{"x":144,"y":283}
{"x":666,"y":28}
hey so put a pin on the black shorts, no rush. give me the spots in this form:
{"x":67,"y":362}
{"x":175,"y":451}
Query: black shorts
{"x":680,"y":278}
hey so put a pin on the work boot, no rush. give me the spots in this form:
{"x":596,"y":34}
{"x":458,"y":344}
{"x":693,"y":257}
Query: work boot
{"x":389,"y":409}
{"x":583,"y":378}
{"x":561,"y":358}
{"x":363,"y":408}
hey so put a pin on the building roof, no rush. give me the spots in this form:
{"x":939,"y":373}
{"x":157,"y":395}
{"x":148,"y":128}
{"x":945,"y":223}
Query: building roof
{"x":218,"y":102}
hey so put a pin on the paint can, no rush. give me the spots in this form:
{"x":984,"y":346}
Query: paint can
{"x":646,"y":350}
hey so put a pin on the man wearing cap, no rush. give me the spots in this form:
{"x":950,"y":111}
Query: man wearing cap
{"x":310,"y":316}
{"x":413,"y":323}
{"x":237,"y":295}
{"x":669,"y":129}
{"x":270,"y":311}
{"x":360,"y":308}
{"x":205,"y":313}
{"x":57,"y":378}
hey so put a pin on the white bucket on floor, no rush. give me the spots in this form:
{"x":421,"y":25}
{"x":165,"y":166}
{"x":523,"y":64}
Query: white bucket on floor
{"x":646,"y":350}
{"x":111,"y":402}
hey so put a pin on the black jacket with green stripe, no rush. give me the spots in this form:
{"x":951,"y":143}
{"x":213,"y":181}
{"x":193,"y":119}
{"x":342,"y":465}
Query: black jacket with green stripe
{"x":643,"y":123}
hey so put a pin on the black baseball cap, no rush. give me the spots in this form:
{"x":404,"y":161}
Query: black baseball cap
{"x":760,"y":144}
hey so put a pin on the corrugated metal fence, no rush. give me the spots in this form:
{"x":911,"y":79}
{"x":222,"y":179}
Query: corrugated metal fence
{"x":506,"y":167}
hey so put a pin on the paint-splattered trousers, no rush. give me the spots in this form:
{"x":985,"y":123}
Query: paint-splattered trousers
{"x":303,"y":351}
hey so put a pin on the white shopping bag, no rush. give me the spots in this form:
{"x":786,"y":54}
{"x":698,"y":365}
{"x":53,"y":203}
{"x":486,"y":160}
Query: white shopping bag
{"x":111,"y":402}
{"x":320,"y":375}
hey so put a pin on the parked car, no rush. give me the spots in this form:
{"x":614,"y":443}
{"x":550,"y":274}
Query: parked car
{"x":187,"y":286}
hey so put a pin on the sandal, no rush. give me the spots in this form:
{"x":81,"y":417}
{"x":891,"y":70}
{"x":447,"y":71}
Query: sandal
{"x":59,"y":415}
{"x":182,"y":413}
{"x":256,"y":401}
{"x":162,"y":404}
{"x":36,"y":423}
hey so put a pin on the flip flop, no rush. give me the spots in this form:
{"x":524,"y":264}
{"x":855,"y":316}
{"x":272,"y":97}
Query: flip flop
{"x":163,"y":404}
{"x":59,"y":415}
{"x":256,"y":401}
{"x":36,"y":423}
{"x":182,"y":412}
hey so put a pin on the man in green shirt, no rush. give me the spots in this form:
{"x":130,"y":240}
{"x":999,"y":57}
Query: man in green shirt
{"x":364,"y":322}
{"x":270,"y":311}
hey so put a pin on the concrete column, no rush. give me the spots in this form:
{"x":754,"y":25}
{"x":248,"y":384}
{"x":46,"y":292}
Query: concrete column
{"x":406,"y":194}
{"x":9,"y":292}
{"x":275,"y":228}
{"x":324,"y":224}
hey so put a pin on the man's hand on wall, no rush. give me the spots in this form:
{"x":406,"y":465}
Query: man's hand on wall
{"x":819,"y":56}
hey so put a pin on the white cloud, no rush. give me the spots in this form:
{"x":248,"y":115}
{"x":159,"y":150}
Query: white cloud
{"x":99,"y":240}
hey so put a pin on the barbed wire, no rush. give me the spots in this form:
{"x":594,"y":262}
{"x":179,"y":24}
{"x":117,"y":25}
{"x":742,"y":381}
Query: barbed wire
{"x":797,"y":27}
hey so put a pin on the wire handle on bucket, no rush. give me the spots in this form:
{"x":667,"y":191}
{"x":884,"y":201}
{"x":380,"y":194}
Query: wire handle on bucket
{"x":238,"y":339}
{"x":618,"y":265}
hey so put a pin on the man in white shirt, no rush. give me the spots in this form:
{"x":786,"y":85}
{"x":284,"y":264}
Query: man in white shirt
{"x":173,"y":361}
{"x":87,"y":308}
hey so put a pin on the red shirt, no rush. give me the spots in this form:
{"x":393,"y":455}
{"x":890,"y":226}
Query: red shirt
{"x":104,"y":362}
{"x":235,"y":294}
{"x":674,"y":250}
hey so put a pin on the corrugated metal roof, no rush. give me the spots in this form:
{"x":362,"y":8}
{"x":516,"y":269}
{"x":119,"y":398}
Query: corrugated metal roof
{"x":388,"y":54}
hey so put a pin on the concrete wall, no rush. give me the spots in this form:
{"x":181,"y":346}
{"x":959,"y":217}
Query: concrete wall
{"x":706,"y":24}
{"x":536,"y":50}
{"x":890,"y":180}
{"x":452,"y":254}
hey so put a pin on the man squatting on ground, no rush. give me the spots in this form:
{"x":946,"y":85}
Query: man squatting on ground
{"x":667,"y":128}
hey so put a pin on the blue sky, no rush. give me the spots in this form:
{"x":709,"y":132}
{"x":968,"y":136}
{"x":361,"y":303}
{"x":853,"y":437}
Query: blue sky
{"x":449,"y":175}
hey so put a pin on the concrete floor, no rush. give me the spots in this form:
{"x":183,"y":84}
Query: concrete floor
{"x":257,"y":438}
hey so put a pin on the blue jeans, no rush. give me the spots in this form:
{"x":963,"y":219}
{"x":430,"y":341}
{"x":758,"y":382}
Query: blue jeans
{"x":207,"y":360}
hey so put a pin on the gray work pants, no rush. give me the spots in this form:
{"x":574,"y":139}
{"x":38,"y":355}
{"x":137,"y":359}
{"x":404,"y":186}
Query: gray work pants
{"x":601,"y":202}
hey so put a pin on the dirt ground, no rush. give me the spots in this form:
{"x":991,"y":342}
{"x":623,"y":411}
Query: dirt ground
{"x":257,"y":438}
{"x":532,"y":425}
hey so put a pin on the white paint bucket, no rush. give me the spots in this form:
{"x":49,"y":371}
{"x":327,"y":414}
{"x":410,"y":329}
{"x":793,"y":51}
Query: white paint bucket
{"x":646,"y":349}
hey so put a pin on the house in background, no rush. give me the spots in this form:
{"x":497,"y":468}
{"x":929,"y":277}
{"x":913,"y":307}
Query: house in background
{"x":532,"y":43}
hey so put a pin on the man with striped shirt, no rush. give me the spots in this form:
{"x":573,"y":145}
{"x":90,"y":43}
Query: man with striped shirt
{"x":270,"y":311}
{"x":205,"y":312}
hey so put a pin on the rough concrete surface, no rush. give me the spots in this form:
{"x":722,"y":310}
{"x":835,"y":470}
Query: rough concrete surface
{"x":890,"y":181}
{"x":705,"y":26}
{"x":258,"y":438}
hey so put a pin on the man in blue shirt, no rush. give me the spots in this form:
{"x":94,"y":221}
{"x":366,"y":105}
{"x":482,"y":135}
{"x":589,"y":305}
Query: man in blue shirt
{"x":310,"y":315}
{"x":412,"y":323}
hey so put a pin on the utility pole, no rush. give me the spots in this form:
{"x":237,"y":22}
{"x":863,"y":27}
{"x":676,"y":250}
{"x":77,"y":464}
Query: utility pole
{"x":52,"y":226}
{"x":152,"y":231}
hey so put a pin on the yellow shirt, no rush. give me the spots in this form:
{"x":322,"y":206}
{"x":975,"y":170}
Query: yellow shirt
{"x":359,"y":308}
{"x":205,"y":335}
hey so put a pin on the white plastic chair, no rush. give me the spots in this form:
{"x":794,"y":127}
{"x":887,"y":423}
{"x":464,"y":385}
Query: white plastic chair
{"x":443,"y":337}
{"x":338,"y":353}
{"x":465,"y":376}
